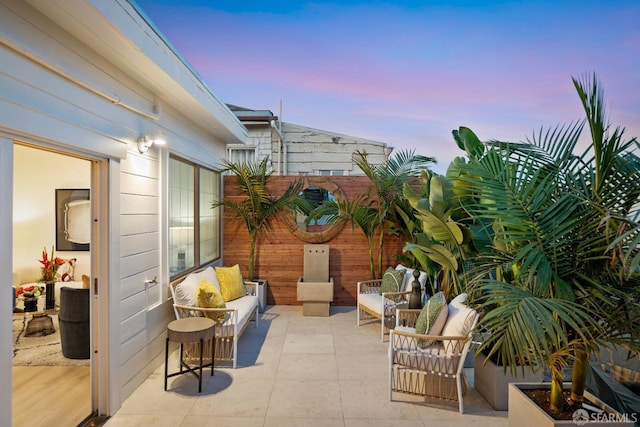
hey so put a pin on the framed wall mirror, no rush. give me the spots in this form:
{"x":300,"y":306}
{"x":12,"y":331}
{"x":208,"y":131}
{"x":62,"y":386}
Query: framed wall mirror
{"x":73,"y":219}
{"x":316,"y":190}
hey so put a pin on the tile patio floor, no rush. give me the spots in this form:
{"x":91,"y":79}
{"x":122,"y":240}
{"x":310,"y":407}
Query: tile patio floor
{"x":298,"y":371}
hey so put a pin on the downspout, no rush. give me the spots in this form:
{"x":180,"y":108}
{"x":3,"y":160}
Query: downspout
{"x":283,"y":142}
{"x":279,"y":154}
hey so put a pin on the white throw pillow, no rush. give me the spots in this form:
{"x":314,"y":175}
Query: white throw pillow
{"x":186,"y":291}
{"x":460,"y":319}
{"x":407,"y":282}
{"x":209,"y":274}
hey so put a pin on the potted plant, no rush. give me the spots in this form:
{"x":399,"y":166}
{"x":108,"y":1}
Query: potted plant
{"x":387,"y":181}
{"x":258,"y":207}
{"x":554,"y":284}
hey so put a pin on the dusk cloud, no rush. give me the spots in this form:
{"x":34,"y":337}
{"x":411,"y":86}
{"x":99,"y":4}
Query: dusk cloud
{"x":408,"y":73}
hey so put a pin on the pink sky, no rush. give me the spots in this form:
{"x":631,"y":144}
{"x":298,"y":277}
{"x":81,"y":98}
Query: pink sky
{"x":408,"y":73}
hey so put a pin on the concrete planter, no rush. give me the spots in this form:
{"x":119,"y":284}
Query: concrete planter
{"x":492,"y":382}
{"x":523,"y":412}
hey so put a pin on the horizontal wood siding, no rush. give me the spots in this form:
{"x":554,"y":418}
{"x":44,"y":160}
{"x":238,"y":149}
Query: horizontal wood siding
{"x":139,"y":251}
{"x":279,"y":257}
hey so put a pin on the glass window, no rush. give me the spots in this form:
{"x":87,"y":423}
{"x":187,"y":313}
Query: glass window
{"x":209,"y":218}
{"x":194,"y":228}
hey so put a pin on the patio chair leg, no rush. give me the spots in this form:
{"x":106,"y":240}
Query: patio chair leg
{"x":390,"y":368}
{"x":460,"y":401}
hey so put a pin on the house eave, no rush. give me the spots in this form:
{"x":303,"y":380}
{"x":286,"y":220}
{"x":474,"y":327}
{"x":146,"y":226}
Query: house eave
{"x":121,"y":33}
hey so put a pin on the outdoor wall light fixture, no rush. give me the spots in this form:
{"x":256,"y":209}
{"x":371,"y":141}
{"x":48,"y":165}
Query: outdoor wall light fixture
{"x":147,"y":141}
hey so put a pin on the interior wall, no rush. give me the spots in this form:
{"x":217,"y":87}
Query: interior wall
{"x":37,"y":174}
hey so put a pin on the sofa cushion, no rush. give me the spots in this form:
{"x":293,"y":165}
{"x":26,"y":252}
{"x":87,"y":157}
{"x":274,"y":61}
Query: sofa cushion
{"x":245,"y":306}
{"x":231,"y":284}
{"x":210,"y":297}
{"x":392,"y":280}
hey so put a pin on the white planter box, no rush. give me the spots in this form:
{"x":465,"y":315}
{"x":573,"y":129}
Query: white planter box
{"x":492,"y":382}
{"x":262,"y":293}
{"x":523,"y":412}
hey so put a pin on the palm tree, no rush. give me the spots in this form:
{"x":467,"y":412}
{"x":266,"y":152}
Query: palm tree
{"x":387,"y":180}
{"x":553,"y":283}
{"x":258,"y":208}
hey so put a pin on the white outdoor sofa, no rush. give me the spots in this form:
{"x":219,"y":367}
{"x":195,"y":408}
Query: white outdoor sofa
{"x":238,"y":313}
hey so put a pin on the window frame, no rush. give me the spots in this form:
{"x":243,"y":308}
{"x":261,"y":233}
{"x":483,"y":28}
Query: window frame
{"x":197,"y":262}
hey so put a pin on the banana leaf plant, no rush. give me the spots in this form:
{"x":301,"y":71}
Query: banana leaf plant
{"x":257,"y":208}
{"x":438,"y":238}
{"x":555,"y":282}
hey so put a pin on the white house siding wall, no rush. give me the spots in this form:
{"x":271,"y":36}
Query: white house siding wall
{"x":146,"y":311}
{"x":260,"y":137}
{"x":312,"y":150}
{"x":52,"y":94}
{"x":140,"y":252}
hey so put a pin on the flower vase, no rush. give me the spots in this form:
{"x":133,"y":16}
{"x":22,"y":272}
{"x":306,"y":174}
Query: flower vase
{"x":50,"y":294}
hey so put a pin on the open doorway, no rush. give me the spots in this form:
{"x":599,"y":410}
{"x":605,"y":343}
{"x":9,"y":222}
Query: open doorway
{"x":51,"y":213}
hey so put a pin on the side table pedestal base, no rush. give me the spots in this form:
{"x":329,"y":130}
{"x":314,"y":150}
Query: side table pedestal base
{"x":39,"y":326}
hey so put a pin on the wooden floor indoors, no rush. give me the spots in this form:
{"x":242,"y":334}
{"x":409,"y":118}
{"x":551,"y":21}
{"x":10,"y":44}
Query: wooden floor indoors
{"x":50,"y":395}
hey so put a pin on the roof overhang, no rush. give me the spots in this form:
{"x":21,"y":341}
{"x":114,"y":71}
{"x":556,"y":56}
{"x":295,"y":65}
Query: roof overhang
{"x":118,"y":31}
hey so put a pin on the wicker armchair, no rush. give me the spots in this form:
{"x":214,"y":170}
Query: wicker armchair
{"x":428,"y":365}
{"x":372,"y":305}
{"x":236,"y":317}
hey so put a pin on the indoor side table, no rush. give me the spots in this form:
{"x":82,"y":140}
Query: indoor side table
{"x":189,"y":330}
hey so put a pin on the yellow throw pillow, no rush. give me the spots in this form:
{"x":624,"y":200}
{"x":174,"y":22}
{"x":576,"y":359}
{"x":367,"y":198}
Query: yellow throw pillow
{"x":209,"y":297}
{"x":231,"y":284}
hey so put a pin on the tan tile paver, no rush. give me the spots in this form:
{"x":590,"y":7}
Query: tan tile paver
{"x":295,"y":370}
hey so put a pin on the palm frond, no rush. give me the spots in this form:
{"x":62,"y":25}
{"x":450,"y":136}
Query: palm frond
{"x":527,"y":329}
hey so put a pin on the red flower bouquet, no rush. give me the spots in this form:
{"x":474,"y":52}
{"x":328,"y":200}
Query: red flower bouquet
{"x":50,"y":266}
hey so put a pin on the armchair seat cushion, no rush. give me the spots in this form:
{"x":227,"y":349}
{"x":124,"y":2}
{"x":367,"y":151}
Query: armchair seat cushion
{"x":430,"y":359}
{"x":374,"y":303}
